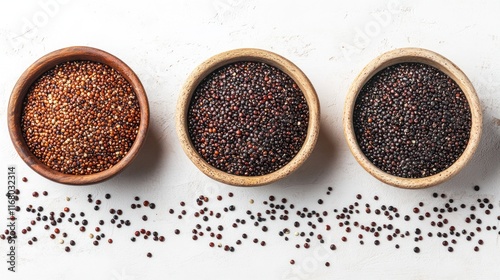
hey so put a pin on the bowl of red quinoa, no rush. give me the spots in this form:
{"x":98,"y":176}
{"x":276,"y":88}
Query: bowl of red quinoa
{"x":78,"y":115}
{"x":247,"y":117}
{"x":412,"y":118}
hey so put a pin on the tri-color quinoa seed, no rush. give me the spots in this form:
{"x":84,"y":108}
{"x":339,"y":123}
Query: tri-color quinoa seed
{"x":365,"y":220}
{"x":80,"y":117}
{"x":411,"y":120}
{"x":248,"y":119}
{"x":55,"y":224}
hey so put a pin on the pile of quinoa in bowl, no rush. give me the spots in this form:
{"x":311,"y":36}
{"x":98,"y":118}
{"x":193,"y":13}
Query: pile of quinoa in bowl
{"x":78,"y":115}
{"x":248,"y":117}
{"x":412,"y":119}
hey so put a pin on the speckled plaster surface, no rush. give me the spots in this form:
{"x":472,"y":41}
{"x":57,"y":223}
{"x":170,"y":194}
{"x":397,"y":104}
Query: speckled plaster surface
{"x":331,"y":41}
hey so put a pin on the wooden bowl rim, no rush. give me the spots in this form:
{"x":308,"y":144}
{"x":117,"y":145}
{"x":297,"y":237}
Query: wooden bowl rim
{"x":255,"y":55}
{"x":41,"y":66}
{"x":446,"y":66}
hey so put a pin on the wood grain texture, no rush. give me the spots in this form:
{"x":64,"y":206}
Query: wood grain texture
{"x":256,"y":55}
{"x":46,"y":63}
{"x":426,"y":57}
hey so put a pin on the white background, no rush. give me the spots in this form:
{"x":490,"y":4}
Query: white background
{"x":331,"y":41}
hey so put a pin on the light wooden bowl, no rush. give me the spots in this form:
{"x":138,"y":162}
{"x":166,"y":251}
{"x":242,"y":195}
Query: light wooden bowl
{"x":48,"y":62}
{"x":255,"y":55}
{"x":420,"y":56}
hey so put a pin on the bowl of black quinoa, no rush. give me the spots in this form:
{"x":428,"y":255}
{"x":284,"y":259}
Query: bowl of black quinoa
{"x":247,"y":117}
{"x":412,"y":118}
{"x":78,"y":115}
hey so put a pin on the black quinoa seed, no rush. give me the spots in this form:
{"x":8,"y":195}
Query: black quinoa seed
{"x":248,"y":119}
{"x":411,"y":120}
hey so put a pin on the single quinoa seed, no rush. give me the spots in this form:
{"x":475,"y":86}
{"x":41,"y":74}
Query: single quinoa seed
{"x":248,"y":119}
{"x":412,"y":120}
{"x":80,"y":117}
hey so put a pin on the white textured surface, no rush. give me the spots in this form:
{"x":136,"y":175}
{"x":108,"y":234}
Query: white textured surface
{"x":331,"y":41}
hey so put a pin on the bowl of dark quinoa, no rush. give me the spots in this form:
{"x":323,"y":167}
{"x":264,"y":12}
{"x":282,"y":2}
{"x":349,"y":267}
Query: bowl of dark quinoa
{"x":78,"y":115}
{"x":412,"y":118}
{"x":247,"y":117}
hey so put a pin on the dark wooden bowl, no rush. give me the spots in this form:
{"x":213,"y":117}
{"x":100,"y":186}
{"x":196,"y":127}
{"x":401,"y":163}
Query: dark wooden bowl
{"x":444,"y":65}
{"x":255,"y":55}
{"x":48,"y":62}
